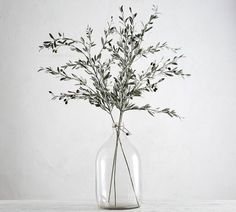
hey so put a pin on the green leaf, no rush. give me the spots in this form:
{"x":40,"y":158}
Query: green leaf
{"x":151,"y":113}
{"x":121,"y":9}
{"x":102,"y":40}
{"x":148,"y":29}
{"x":107,"y":76}
{"x":51,"y":36}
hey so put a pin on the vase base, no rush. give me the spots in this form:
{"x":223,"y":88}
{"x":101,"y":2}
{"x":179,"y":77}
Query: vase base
{"x":119,"y":208}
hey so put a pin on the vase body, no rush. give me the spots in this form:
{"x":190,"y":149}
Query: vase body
{"x":118,"y":170}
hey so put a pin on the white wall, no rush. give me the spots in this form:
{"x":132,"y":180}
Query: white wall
{"x":47,"y":149}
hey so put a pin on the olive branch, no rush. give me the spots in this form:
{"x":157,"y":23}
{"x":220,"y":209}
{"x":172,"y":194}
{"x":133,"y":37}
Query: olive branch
{"x":106,"y":90}
{"x":121,"y":46}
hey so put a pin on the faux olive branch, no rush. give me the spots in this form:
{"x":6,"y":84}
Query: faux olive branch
{"x":103,"y":88}
{"x":121,"y":47}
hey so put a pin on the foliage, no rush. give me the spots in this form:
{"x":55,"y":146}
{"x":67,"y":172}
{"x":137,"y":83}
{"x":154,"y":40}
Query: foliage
{"x":123,"y":44}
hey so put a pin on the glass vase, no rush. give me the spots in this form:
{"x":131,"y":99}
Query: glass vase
{"x":118,"y":181}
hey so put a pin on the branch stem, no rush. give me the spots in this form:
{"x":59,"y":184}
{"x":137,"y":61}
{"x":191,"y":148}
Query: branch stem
{"x":113,"y":174}
{"x":114,"y":162}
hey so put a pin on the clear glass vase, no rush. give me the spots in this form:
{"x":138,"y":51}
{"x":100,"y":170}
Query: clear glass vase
{"x":118,"y":181}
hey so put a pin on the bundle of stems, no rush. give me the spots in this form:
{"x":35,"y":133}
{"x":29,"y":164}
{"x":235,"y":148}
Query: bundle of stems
{"x":113,"y":172}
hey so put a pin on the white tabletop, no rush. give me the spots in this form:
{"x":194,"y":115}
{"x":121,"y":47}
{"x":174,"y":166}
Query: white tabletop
{"x":148,"y":206}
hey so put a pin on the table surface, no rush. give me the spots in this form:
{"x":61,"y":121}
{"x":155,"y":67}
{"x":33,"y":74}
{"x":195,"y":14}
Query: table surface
{"x":148,"y":206}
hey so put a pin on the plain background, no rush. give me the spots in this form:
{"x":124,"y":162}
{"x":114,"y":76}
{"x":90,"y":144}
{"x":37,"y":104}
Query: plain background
{"x":47,"y":149}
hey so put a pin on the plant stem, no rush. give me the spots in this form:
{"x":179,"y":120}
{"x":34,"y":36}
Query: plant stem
{"x":112,"y":171}
{"x":117,"y":139}
{"x":127,"y":164}
{"x":131,"y":180}
{"x":113,"y":163}
{"x":113,"y":174}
